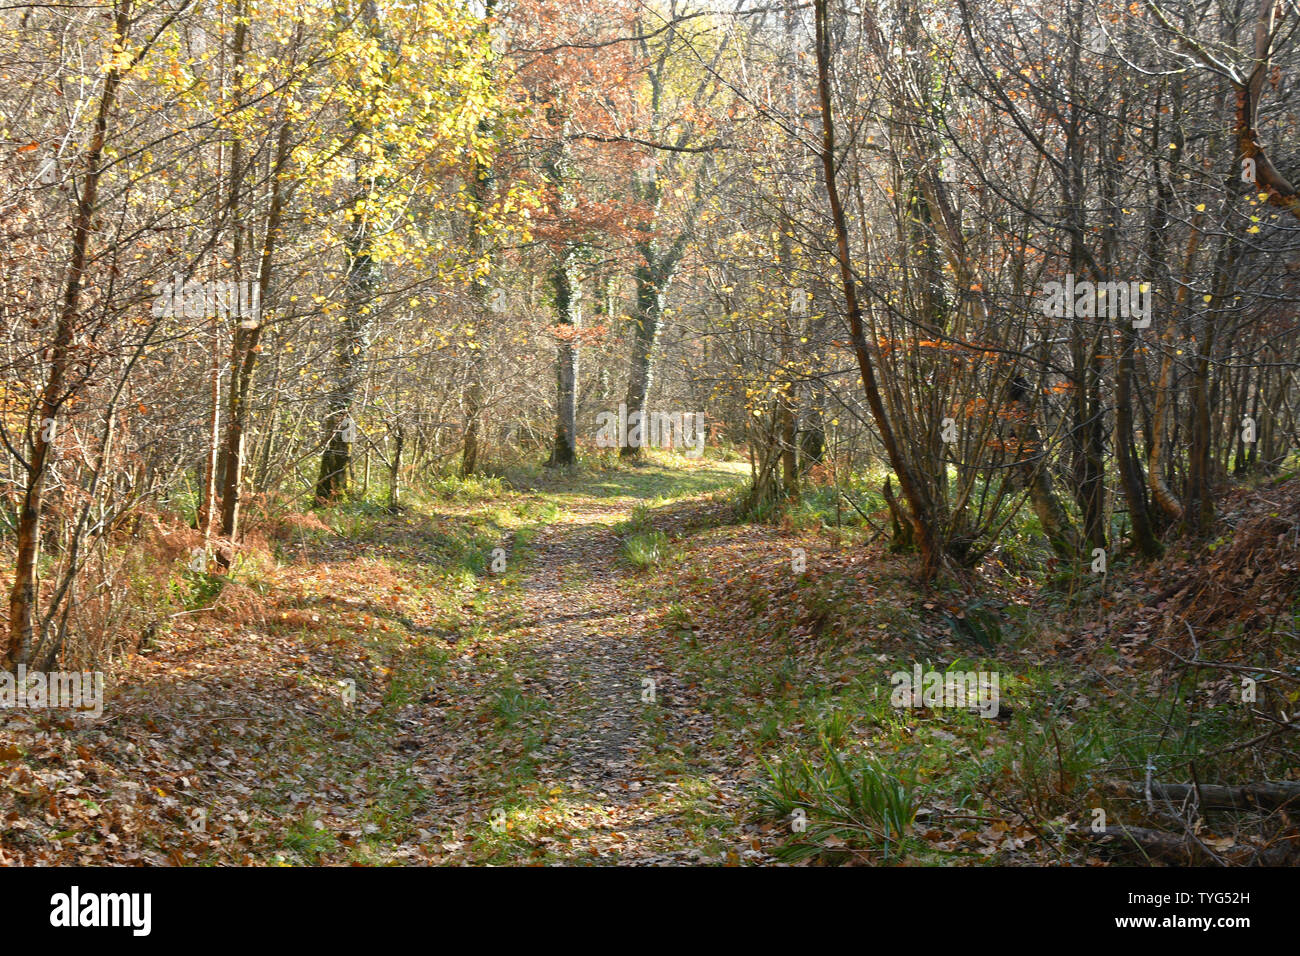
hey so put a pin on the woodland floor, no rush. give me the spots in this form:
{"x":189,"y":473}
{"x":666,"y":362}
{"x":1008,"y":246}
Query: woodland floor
{"x":516,"y":733}
{"x":505,"y":718}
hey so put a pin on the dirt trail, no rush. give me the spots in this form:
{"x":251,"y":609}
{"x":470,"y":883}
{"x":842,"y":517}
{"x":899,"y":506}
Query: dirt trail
{"x":587,"y":634}
{"x":591,"y":636}
{"x":507,"y":725}
{"x":608,"y":742}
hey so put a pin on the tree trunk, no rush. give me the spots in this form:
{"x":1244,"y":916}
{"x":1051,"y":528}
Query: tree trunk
{"x":395,"y":475}
{"x":480,"y":192}
{"x":1199,"y":517}
{"x":1130,"y":471}
{"x":1126,"y":457}
{"x":568,"y":309}
{"x":920,"y":517}
{"x":243,"y":355}
{"x":22,"y":596}
{"x":350,"y":356}
{"x":1034,"y":473}
{"x":646,"y":313}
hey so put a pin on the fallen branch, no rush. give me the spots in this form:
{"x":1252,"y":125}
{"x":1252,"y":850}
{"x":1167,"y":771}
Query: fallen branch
{"x":1268,"y":795}
{"x":1182,"y":848}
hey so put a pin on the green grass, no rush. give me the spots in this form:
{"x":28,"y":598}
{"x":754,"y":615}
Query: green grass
{"x":193,"y":590}
{"x":854,"y":803}
{"x":645,"y":550}
{"x":309,"y":840}
{"x":652,"y":481}
{"x":471,"y":488}
{"x":509,"y":705}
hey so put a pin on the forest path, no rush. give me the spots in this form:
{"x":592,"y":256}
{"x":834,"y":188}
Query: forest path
{"x":605,"y":758}
{"x":370,"y":692}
